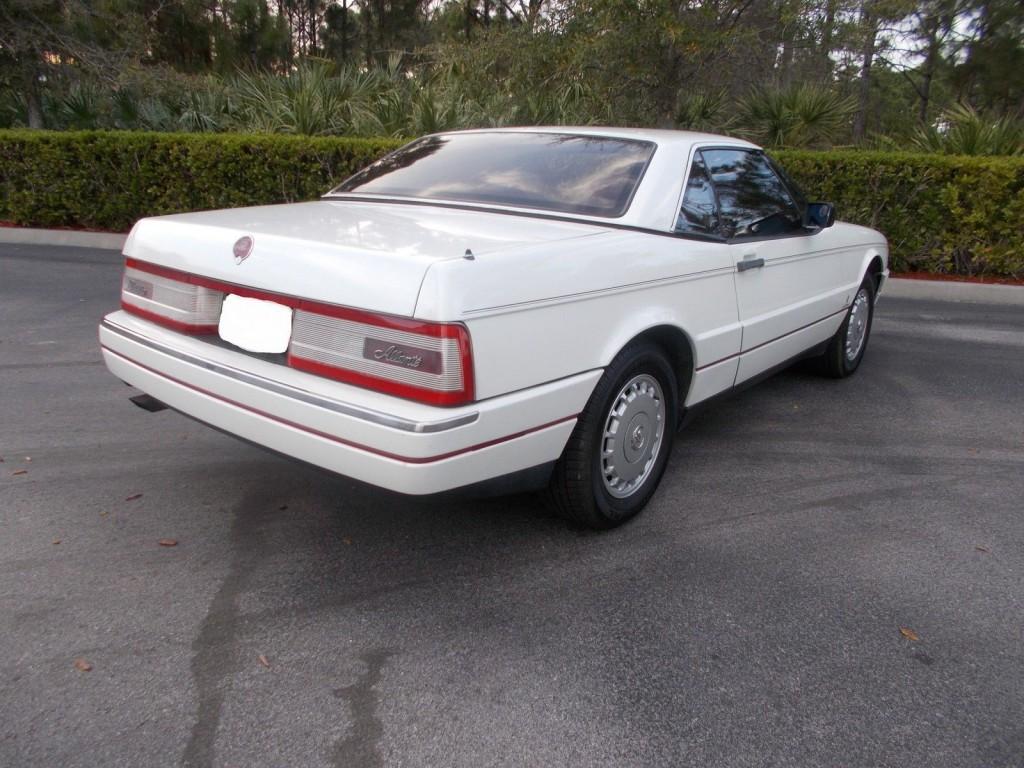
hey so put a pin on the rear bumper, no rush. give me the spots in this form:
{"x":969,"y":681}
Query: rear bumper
{"x":392,"y":443}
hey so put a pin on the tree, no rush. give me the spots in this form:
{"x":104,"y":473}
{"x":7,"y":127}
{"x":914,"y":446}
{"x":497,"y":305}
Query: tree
{"x":991,"y":74}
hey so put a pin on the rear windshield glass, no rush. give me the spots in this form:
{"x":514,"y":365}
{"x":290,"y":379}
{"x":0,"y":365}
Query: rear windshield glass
{"x":586,"y":175}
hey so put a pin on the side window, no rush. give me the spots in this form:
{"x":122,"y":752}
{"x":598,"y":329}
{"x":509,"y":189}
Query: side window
{"x":754,"y":201}
{"x":699,"y":212}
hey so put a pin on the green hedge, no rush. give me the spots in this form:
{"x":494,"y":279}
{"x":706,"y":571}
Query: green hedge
{"x":108,"y":180}
{"x":958,"y":215}
{"x":944,"y":214}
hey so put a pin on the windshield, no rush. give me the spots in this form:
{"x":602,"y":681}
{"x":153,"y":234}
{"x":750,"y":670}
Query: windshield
{"x":586,"y":175}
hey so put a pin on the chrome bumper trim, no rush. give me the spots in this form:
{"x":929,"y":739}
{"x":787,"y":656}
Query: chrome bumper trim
{"x":336,"y":406}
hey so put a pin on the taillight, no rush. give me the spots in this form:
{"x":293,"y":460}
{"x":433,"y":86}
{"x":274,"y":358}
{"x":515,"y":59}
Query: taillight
{"x":429,"y":362}
{"x":161,"y":296}
{"x":424,"y":361}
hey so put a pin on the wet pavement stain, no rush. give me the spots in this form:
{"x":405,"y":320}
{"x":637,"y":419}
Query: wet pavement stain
{"x":361,"y":746}
{"x":215,"y":650}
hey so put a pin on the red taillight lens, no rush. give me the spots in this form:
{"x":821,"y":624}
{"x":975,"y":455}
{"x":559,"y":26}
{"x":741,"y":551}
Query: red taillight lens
{"x":429,"y":362}
{"x":165,"y":298}
{"x":424,"y":361}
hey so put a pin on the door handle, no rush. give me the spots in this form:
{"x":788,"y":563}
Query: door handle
{"x":749,"y":262}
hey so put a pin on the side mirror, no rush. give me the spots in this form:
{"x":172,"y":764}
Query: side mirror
{"x":819,"y":215}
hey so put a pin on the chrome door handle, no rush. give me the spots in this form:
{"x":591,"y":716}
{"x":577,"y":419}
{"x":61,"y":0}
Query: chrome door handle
{"x":749,"y":262}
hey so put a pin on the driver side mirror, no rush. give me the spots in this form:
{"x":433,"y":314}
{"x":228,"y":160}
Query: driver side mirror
{"x":819,"y":215}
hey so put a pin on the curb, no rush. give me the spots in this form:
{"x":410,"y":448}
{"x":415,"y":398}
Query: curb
{"x":895,"y":287}
{"x":942,"y":290}
{"x":27,"y":236}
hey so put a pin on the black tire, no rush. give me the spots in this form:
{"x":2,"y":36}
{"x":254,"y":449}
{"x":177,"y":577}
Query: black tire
{"x":837,"y":360}
{"x":579,"y":490}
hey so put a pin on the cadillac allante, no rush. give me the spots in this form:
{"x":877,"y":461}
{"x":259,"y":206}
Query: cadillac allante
{"x":542,"y":305}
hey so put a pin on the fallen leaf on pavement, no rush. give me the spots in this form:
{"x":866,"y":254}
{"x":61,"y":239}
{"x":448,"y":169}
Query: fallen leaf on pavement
{"x":263,"y":660}
{"x":82,"y":665}
{"x":104,"y":513}
{"x":56,"y":541}
{"x":910,"y":634}
{"x":168,"y":542}
{"x":20,"y":472}
{"x":133,"y":497}
{"x":981,"y":549}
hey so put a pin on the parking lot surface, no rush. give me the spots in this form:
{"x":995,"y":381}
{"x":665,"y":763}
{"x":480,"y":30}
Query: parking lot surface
{"x":832,"y":573}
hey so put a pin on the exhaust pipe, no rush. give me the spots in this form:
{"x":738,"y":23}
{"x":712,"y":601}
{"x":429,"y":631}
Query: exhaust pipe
{"x":148,"y":403}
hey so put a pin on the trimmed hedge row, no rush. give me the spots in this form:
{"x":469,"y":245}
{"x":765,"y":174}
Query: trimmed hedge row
{"x":958,"y":215}
{"x":943,"y":214}
{"x":110,"y":179}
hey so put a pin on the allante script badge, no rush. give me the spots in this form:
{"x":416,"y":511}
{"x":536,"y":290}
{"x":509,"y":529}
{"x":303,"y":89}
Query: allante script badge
{"x":426,"y":360}
{"x":242,"y":249}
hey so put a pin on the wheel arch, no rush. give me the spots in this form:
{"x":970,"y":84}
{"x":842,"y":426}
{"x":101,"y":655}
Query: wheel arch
{"x":875,"y":263}
{"x":674,"y":342}
{"x":876,"y":268}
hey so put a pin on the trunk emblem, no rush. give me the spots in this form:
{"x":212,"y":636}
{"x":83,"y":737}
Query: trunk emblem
{"x":242,"y":249}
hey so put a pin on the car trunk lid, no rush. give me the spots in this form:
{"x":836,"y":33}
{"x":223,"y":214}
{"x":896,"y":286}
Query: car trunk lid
{"x":369,"y":255}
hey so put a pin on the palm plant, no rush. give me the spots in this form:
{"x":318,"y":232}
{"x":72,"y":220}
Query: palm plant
{"x":155,"y":115}
{"x":13,"y":111}
{"x":81,"y":108}
{"x":963,"y":131}
{"x":800,"y":116}
{"x":704,"y":111}
{"x":206,"y":108}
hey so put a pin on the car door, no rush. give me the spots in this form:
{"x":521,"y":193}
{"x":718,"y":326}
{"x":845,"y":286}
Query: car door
{"x":717,"y":334}
{"x":787,"y":278}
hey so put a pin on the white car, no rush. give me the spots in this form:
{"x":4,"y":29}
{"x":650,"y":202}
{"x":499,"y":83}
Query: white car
{"x":541,"y":305}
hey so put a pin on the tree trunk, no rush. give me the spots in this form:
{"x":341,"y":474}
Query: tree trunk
{"x":928,"y":68}
{"x":33,"y":100}
{"x":827,"y":33}
{"x":788,"y":39}
{"x":344,"y":31}
{"x":870,"y":26}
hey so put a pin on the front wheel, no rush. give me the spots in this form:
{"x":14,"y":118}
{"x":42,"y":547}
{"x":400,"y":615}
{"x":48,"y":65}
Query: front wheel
{"x":617,"y":453}
{"x":846,"y":350}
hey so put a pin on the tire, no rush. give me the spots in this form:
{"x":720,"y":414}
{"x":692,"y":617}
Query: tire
{"x":846,"y":349}
{"x":586,"y":486}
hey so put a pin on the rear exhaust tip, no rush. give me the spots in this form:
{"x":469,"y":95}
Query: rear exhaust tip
{"x":148,"y":403}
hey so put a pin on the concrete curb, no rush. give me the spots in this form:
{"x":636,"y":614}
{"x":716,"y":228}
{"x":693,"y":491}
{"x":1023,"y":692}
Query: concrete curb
{"x":942,"y":290}
{"x":897,"y":288}
{"x":26,"y":236}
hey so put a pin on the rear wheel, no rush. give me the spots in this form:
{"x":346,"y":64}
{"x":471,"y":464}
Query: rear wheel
{"x":846,"y":350}
{"x":618,"y":451}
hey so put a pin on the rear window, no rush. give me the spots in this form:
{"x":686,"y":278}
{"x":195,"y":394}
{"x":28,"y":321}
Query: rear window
{"x":586,"y":175}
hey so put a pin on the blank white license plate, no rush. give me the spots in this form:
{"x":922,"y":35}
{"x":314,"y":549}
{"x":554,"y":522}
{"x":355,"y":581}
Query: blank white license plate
{"x":255,"y":325}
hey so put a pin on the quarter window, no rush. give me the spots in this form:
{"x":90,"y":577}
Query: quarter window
{"x":698,"y":213}
{"x":752,"y":198}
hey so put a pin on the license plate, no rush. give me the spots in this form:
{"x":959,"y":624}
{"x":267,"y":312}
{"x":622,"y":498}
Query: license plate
{"x":255,"y":325}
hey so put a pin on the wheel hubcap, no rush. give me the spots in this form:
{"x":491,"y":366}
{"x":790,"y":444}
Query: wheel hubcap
{"x":857,"y":327}
{"x":632,"y":436}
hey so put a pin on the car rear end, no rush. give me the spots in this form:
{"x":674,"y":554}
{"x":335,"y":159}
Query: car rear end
{"x":311,"y":348}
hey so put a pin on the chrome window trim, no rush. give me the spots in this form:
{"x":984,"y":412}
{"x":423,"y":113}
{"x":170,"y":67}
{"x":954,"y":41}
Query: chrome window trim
{"x":319,"y":401}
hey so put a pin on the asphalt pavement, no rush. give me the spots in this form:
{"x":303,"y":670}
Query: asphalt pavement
{"x":832,"y":574}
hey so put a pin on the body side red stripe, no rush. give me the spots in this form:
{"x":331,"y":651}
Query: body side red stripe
{"x":335,"y":438}
{"x":772,"y":341}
